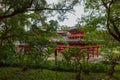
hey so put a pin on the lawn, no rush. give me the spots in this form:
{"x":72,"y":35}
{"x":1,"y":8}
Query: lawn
{"x":12,"y":73}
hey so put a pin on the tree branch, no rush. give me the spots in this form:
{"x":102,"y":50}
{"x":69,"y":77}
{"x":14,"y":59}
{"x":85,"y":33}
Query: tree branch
{"x":105,"y":4}
{"x":109,"y":20}
{"x":7,"y":37}
{"x":115,"y":28}
{"x":117,"y":19}
{"x":113,"y":35}
{"x":41,"y":9}
{"x":15,"y":12}
{"x":22,"y":11}
{"x":10,"y":15}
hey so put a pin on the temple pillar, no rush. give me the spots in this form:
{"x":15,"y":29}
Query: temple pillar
{"x":97,"y":53}
{"x":93,"y":52}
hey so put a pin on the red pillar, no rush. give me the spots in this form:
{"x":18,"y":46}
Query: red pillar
{"x":93,"y":52}
{"x":97,"y":51}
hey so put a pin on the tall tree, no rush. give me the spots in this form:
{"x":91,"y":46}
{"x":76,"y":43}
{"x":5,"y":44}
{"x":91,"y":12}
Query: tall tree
{"x":109,"y":47}
{"x":104,"y":12}
{"x":25,"y":20}
{"x":16,"y":15}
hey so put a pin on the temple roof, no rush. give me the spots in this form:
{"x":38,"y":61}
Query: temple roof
{"x":75,"y":35}
{"x":62,"y":33}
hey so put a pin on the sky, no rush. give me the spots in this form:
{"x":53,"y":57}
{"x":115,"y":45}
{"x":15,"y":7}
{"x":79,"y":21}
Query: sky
{"x":72,"y":17}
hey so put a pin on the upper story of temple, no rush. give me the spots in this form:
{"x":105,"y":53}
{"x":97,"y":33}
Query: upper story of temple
{"x":72,"y":37}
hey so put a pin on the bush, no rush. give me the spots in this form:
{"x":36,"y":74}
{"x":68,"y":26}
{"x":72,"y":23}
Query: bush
{"x":105,"y":62}
{"x":98,"y":67}
{"x":63,"y":65}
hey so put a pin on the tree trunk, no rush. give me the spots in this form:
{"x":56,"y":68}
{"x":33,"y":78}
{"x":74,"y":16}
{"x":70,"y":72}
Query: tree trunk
{"x":112,"y":69}
{"x":78,"y":77}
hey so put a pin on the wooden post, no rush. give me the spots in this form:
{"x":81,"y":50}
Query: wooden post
{"x":55,"y":53}
{"x":93,"y":52}
{"x":97,"y":52}
{"x":56,"y":61}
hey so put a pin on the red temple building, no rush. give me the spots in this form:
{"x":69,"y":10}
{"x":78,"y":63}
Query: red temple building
{"x":71,"y":39}
{"x":75,"y":39}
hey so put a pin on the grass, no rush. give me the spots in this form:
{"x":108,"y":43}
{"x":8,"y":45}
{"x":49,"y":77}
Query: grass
{"x":11,"y":73}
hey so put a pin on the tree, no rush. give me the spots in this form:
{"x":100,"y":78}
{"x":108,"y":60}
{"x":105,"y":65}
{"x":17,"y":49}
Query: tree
{"x":15,"y":15}
{"x":13,"y":28}
{"x":104,"y":12}
{"x":110,"y":52}
{"x":11,"y":8}
{"x":20,"y":19}
{"x":114,"y":57}
{"x":109,"y":47}
{"x":6,"y":52}
{"x":104,"y":15}
{"x":53,"y":25}
{"x":76,"y":55}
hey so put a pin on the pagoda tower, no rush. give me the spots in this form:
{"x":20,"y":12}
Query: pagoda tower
{"x":75,"y":39}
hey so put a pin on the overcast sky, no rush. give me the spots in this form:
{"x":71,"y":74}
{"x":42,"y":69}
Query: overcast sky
{"x":72,"y":19}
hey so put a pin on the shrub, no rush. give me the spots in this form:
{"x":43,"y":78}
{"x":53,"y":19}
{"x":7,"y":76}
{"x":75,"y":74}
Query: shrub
{"x":98,"y":67}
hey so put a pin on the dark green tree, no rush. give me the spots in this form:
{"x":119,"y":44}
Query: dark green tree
{"x":26,"y":20}
{"x":104,"y":14}
{"x":20,"y":14}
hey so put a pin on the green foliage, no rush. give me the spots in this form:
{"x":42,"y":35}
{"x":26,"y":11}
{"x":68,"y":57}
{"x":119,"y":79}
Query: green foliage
{"x":98,"y":67}
{"x":66,"y":66}
{"x":72,"y":52}
{"x":103,"y":14}
{"x":25,"y":21}
{"x":35,"y":59}
{"x":53,"y":25}
{"x":36,"y":74}
{"x":6,"y":52}
{"x":112,"y":56}
{"x":33,"y":74}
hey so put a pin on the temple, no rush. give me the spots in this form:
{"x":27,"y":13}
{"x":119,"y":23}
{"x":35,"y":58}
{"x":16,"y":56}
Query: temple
{"x":75,"y":39}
